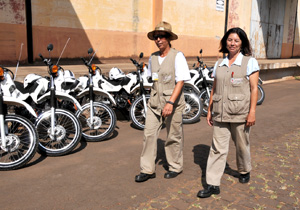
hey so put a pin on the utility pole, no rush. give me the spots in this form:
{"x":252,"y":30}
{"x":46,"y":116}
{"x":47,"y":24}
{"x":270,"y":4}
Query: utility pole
{"x":29,"y":31}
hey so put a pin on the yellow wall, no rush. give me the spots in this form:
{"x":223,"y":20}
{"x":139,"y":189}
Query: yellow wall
{"x":239,"y":14}
{"x":192,"y":21}
{"x":114,"y":28}
{"x":118,"y":28}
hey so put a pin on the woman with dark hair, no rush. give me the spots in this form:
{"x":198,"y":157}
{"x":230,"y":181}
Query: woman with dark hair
{"x":231,"y":109}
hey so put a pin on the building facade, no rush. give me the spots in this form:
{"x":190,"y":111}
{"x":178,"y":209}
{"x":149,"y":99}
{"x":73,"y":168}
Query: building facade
{"x":118,"y":28}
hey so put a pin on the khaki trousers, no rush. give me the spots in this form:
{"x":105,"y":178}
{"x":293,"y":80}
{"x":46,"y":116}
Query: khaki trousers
{"x":219,"y":150}
{"x":173,"y":144}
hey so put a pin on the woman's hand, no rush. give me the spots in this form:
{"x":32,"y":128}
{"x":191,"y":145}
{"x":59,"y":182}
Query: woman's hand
{"x":168,"y":109}
{"x":250,"y":119}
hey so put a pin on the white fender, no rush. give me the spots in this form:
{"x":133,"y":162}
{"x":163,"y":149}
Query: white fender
{"x":97,"y":91}
{"x":15,"y":101}
{"x":194,"y":87}
{"x":60,"y":95}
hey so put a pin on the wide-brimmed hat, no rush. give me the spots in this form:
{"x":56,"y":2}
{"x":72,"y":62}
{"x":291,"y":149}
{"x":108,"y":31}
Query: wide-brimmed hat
{"x":164,"y":27}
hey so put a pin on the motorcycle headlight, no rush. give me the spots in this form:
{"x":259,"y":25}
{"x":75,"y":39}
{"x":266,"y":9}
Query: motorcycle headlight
{"x":1,"y":73}
{"x":94,"y":67}
{"x":54,"y":69}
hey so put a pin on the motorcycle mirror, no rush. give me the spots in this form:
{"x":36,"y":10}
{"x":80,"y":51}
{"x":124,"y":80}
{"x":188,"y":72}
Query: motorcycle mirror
{"x":50,"y":47}
{"x":200,"y":51}
{"x":90,"y":51}
{"x":141,"y":55}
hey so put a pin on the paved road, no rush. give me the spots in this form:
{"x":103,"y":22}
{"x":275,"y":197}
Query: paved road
{"x":101,"y":175}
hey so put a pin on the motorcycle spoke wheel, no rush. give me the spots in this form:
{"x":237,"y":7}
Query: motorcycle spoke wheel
{"x":204,"y":99}
{"x":137,"y":112}
{"x":192,"y":110}
{"x":103,"y":123}
{"x":67,"y":133}
{"x":260,"y":95}
{"x":21,"y":143}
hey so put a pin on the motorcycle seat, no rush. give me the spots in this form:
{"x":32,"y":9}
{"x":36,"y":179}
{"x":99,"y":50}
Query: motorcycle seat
{"x":122,"y":81}
{"x":69,"y":85}
{"x":29,"y":89}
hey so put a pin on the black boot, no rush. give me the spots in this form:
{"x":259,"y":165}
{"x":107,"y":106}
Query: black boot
{"x":244,"y":178}
{"x":144,"y":177}
{"x":209,"y":191}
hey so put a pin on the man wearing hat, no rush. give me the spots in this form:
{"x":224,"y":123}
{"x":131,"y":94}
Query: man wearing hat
{"x":168,"y":69}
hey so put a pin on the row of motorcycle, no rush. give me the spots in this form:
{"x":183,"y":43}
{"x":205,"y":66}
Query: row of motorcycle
{"x":51,"y":114}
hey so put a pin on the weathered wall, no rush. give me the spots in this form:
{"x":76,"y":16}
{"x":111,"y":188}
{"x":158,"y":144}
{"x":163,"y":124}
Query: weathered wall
{"x":239,"y":12}
{"x":296,"y":50}
{"x":289,"y":29}
{"x":118,"y":28}
{"x":12,"y":30}
{"x":114,"y":28}
{"x":193,"y":24}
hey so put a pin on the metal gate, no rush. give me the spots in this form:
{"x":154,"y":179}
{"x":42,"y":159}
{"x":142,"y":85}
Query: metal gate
{"x":266,"y":29}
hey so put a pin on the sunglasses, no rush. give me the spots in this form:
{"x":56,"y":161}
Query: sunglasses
{"x":160,"y":36}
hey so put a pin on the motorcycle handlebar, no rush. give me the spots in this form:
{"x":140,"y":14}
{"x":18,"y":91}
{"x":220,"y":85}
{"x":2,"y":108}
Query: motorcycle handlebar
{"x":84,"y":61}
{"x":44,"y":60}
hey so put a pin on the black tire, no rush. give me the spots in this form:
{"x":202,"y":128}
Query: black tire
{"x":204,"y":99}
{"x":193,"y":108}
{"x":137,"y":112}
{"x":68,"y":130}
{"x":261,"y":95}
{"x":104,"y":118}
{"x":22,"y":143}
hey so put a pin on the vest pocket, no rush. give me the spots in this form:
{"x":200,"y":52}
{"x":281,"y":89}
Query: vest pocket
{"x":236,"y":103}
{"x":154,"y":100}
{"x":217,"y":104}
{"x":167,"y":95}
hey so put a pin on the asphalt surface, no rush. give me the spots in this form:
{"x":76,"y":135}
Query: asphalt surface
{"x":101,"y":175}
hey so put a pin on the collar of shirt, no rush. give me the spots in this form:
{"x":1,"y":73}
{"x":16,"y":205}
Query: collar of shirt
{"x":238,"y":61}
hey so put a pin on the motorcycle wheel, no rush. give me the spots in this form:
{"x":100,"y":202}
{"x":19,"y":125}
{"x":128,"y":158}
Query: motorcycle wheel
{"x":204,"y":99}
{"x":193,"y":108}
{"x":67,"y":132}
{"x":261,"y":95}
{"x":21,"y":143}
{"x":137,"y":112}
{"x":104,"y":122}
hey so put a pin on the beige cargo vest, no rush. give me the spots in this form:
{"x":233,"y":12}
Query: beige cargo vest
{"x":162,"y":88}
{"x":231,"y":99}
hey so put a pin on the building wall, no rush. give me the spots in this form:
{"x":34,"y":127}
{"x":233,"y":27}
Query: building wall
{"x":193,"y":24}
{"x":118,"y":28}
{"x":12,"y":30}
{"x":289,"y":29}
{"x":113,"y":28}
{"x":296,"y":49}
{"x":239,"y":12}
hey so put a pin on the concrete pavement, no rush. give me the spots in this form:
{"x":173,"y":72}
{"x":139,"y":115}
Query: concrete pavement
{"x":101,"y":175}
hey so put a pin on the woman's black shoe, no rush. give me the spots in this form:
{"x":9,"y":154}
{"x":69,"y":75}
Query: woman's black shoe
{"x":244,"y":178}
{"x":209,"y":191}
{"x":144,"y":177}
{"x":171,"y":174}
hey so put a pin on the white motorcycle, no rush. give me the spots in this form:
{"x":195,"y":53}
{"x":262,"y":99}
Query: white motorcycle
{"x":97,"y":119}
{"x":59,"y":129}
{"x":19,"y":139}
{"x":126,"y":92}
